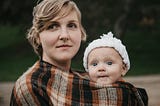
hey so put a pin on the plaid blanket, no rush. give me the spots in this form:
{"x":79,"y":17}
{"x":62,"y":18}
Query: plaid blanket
{"x":47,"y":85}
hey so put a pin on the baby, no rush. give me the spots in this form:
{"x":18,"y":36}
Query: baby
{"x":106,"y":59}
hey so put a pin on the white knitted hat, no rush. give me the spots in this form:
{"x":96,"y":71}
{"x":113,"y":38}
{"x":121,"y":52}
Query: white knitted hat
{"x":109,"y":41}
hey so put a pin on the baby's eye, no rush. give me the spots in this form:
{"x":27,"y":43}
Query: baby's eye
{"x":109,"y":63}
{"x":53,"y":26}
{"x":94,"y":64}
{"x":72,"y":25}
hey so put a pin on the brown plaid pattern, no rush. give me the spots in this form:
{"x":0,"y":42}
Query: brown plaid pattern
{"x":46,"y":85}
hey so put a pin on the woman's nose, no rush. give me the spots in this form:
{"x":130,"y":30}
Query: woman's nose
{"x":64,"y":35}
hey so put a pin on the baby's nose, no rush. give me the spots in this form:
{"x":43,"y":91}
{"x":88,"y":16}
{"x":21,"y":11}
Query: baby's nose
{"x":101,"y":68}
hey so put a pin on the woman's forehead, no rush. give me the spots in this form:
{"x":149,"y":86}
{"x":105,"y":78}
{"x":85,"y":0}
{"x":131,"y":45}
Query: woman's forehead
{"x":72,"y":16}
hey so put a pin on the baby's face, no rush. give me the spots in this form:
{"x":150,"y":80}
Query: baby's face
{"x":105,"y":65}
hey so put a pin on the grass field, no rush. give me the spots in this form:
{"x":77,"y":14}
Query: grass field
{"x":17,"y":55}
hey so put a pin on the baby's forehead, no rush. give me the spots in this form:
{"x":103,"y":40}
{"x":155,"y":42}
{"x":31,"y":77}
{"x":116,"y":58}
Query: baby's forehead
{"x":104,"y":49}
{"x":104,"y":53}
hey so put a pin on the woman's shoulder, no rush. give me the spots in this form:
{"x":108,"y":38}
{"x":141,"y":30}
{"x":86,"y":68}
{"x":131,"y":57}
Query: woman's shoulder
{"x":27,"y":86}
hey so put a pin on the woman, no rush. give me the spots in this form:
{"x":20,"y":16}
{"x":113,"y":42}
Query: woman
{"x":56,"y":35}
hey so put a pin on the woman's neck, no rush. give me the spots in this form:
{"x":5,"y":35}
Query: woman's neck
{"x":63,"y":65}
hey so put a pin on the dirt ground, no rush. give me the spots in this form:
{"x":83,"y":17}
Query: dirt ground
{"x":151,"y":83}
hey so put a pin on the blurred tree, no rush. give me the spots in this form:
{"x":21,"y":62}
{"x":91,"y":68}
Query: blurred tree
{"x":16,"y":11}
{"x":99,"y":16}
{"x":137,"y":14}
{"x":105,"y":15}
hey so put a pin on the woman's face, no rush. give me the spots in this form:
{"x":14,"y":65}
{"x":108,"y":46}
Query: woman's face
{"x":61,"y":40}
{"x":105,"y":65}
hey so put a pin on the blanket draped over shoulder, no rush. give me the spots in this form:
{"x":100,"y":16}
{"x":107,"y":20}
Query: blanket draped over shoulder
{"x":46,"y":85}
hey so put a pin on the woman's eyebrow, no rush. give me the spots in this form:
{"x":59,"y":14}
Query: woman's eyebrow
{"x":76,"y":21}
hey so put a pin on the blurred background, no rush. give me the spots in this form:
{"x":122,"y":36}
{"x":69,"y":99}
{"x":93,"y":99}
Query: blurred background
{"x":135,"y":22}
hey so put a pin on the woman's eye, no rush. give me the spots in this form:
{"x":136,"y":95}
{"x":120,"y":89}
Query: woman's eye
{"x":109,"y":63}
{"x":72,"y":25}
{"x":53,"y":26}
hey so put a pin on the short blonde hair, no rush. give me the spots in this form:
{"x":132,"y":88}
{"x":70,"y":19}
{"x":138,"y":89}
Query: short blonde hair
{"x":43,"y":13}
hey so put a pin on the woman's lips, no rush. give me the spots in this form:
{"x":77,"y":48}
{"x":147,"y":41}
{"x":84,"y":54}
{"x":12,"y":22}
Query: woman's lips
{"x":63,"y":46}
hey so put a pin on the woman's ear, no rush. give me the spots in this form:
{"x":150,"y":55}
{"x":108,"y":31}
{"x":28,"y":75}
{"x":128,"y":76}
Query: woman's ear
{"x":124,"y":69}
{"x":38,"y":40}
